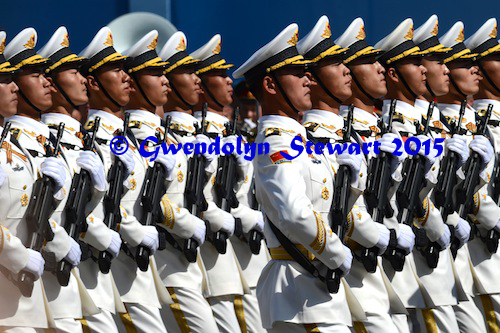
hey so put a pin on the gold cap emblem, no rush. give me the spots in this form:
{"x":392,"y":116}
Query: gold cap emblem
{"x":361,"y":34}
{"x":460,"y":37}
{"x":31,"y":42}
{"x":494,"y":32}
{"x":327,"y":33}
{"x":435,"y":31}
{"x":153,"y":43}
{"x":65,"y":41}
{"x":182,"y":45}
{"x":295,"y":38}
{"x":2,"y":46}
{"x":109,"y":40}
{"x":409,"y":34}
{"x":217,"y":48}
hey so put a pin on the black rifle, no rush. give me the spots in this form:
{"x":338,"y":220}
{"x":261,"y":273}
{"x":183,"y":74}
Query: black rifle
{"x":447,"y":179}
{"x":465,"y":190}
{"x":408,"y":200}
{"x":495,"y":180}
{"x":195,"y":183}
{"x":377,"y":187}
{"x":41,"y":207}
{"x":75,"y":216}
{"x":112,"y":213}
{"x":340,"y":203}
{"x":151,"y":194}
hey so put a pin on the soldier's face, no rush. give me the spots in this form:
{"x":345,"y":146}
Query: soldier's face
{"x":414,"y":74}
{"x":296,"y":84}
{"x":491,"y":64}
{"x":187,"y":84}
{"x":155,"y":85}
{"x":371,"y":75}
{"x":35,"y":86}
{"x":466,"y":75}
{"x":115,"y":81}
{"x":437,"y":75}
{"x":74,"y":85}
{"x":8,"y":96}
{"x":335,"y":76}
{"x":220,"y":85}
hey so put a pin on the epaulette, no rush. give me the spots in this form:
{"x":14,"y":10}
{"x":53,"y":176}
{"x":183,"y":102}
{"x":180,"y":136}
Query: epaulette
{"x":312,"y":127}
{"x":15,"y":132}
{"x":273,"y":131}
{"x":134,"y":124}
{"x":89,"y":125}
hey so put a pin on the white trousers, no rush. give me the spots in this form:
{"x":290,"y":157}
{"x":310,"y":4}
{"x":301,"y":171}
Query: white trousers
{"x":282,"y":327}
{"x":102,"y":322}
{"x":225,"y":314}
{"x":190,"y":312}
{"x":140,"y":319}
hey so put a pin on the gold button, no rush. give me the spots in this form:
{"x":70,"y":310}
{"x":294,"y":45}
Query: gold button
{"x":324,"y":180}
{"x":179,"y":165}
{"x":25,"y":187}
{"x":361,"y":174}
{"x":132,"y":173}
{"x":433,"y":168}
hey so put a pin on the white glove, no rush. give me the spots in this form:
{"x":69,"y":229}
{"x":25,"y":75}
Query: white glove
{"x":116,"y":243}
{"x":35,"y":264}
{"x":54,"y":168}
{"x":200,"y":230}
{"x":89,"y":161}
{"x":444,"y":240}
{"x":406,"y":238}
{"x":259,"y":224}
{"x":458,"y":144}
{"x":75,"y":253}
{"x":150,"y":239}
{"x":386,"y":145}
{"x":202,"y":138}
{"x":482,"y":146}
{"x":430,"y":159}
{"x":462,"y":231}
{"x":497,"y":227}
{"x":168,"y":162}
{"x":353,"y":161}
{"x":3,"y":176}
{"x":233,"y":139}
{"x":346,"y":265}
{"x":228,"y":225}
{"x":384,"y":236}
{"x":127,"y":159}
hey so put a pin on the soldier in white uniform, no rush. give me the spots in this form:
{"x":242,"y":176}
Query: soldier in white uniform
{"x":378,"y":298}
{"x":68,"y":93}
{"x":464,"y":81}
{"x":405,"y":77}
{"x":34,"y":91}
{"x":295,"y":198}
{"x":18,"y":313}
{"x":484,"y":43}
{"x":109,"y":87}
{"x":150,"y":89}
{"x":185,"y":281}
{"x":217,"y":93}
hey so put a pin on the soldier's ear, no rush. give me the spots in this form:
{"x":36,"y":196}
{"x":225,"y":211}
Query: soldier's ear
{"x":92,"y":83}
{"x":391,"y":75}
{"x":269,"y":86}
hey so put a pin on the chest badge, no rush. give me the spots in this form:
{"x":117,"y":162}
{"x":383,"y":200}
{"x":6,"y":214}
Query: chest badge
{"x":325,"y":194}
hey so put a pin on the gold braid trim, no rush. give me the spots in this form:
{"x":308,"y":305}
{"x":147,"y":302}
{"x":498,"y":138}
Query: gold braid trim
{"x":319,"y":242}
{"x":334,"y":50}
{"x":156,"y":62}
{"x":1,"y":238}
{"x":423,"y":220}
{"x":366,"y":51}
{"x":477,"y":202}
{"x":489,"y":313}
{"x":457,"y":55}
{"x":430,"y":321}
{"x":221,"y":64}
{"x":491,"y":50}
{"x":70,"y":58}
{"x":298,"y":60}
{"x":9,"y":151}
{"x":33,"y":60}
{"x":112,"y":57}
{"x":404,"y":54}
{"x":168,"y":212}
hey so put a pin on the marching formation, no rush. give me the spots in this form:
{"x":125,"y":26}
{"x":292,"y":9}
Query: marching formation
{"x":400,"y":241}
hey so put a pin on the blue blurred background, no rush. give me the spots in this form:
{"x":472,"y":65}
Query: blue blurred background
{"x":244,"y":25}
